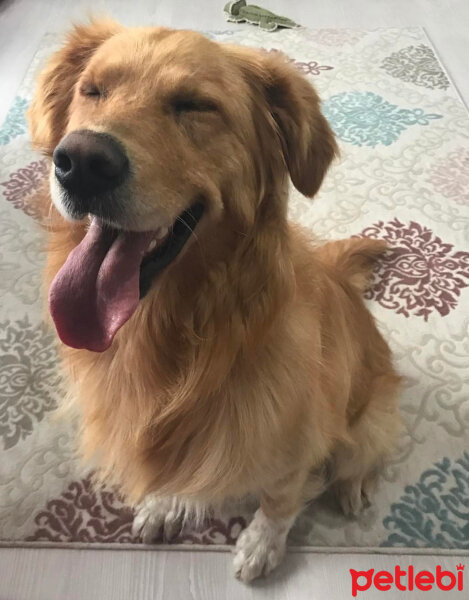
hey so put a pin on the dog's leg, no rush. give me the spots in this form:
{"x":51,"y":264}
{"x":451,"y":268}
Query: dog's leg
{"x":355,"y":465}
{"x":261,"y":546}
{"x":157,"y":517}
{"x":355,"y":494}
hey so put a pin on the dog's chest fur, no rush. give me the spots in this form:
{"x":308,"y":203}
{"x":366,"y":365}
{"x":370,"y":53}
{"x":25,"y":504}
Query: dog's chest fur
{"x":175,"y":412}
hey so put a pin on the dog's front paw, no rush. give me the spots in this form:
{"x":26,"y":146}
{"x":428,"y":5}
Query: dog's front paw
{"x":260,"y":547}
{"x":157,"y":518}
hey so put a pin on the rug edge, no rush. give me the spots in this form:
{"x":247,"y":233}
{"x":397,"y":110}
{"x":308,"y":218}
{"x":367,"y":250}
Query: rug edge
{"x":401,"y":551}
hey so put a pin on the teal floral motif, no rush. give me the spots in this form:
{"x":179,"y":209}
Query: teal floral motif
{"x":15,"y":121}
{"x":434,"y":513}
{"x":367,"y":119}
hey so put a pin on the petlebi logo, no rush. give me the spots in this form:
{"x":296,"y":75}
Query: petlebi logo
{"x":407,"y":580}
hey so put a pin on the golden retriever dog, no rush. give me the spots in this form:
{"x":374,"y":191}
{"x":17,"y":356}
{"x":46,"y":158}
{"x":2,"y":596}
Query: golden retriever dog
{"x":213,"y":348}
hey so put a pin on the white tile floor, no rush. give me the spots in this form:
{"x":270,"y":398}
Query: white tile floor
{"x":187,"y":575}
{"x":31,"y":574}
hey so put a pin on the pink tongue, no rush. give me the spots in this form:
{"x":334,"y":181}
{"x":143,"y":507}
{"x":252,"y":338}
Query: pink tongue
{"x":97,"y":289}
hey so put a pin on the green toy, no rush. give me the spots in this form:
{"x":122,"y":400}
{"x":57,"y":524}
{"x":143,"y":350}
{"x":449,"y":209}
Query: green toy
{"x":240,"y":12}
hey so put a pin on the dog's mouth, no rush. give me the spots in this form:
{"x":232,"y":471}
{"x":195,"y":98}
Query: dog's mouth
{"x":100,"y":284}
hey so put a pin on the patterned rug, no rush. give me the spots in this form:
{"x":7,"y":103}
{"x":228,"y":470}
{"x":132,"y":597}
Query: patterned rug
{"x":403,"y":177}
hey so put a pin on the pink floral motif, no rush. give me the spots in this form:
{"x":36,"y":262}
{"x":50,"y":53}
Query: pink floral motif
{"x":338,"y":37}
{"x":307,"y":68}
{"x":450,"y":176}
{"x":311,"y":68}
{"x":88,"y":513}
{"x":22,"y":184}
{"x":420,"y":274}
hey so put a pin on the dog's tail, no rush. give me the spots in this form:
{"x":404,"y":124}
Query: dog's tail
{"x":352,"y":259}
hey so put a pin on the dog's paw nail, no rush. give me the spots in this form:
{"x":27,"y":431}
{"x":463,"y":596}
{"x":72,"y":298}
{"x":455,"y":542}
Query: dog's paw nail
{"x":172,"y":526}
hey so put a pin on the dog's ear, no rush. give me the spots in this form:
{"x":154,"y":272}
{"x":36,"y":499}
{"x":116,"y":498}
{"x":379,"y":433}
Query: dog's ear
{"x":48,"y":112}
{"x":307,"y":141}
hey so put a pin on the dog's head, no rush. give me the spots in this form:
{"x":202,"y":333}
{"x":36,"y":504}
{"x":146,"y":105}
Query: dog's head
{"x":152,"y":130}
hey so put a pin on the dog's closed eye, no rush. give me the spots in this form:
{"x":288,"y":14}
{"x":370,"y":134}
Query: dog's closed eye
{"x":91,"y":90}
{"x":192,"y":105}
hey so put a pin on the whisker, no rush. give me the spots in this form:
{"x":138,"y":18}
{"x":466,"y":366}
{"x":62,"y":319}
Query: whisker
{"x":195,"y":236}
{"x":49,"y":213}
{"x":184,"y":223}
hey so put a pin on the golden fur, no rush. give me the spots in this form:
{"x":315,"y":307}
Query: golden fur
{"x":252,"y":365}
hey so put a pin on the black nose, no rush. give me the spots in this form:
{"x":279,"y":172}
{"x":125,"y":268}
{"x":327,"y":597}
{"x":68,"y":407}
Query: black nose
{"x":89,"y":163}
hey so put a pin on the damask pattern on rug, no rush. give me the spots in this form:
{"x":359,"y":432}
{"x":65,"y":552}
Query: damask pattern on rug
{"x":21,"y":260}
{"x":87,"y":512}
{"x":338,"y":37}
{"x":420,"y":274}
{"x":84,"y":513}
{"x":15,"y":121}
{"x":23,"y":183}
{"x":367,"y":119}
{"x":418,"y":65}
{"x":433,"y":513}
{"x":28,"y":378}
{"x":450,"y":176}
